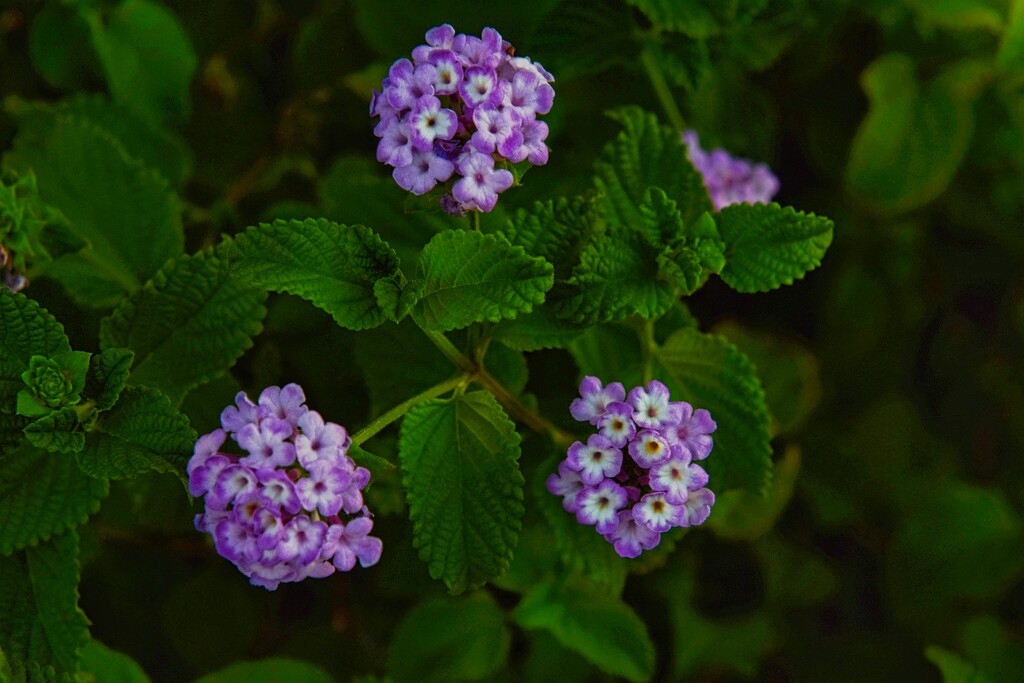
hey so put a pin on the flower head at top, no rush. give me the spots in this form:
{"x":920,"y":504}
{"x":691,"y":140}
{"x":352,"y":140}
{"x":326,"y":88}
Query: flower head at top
{"x":729,"y":179}
{"x":635,"y":478}
{"x":292,"y":507}
{"x":458,"y":114}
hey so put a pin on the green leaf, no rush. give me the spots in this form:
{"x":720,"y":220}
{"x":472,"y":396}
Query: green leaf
{"x":914,"y":137}
{"x":554,"y":230}
{"x":11,"y":427}
{"x":585,"y":37}
{"x":41,"y":621}
{"x":618,"y":276}
{"x":273,"y":670}
{"x":959,"y":15}
{"x":600,"y":627}
{"x":42,"y":494}
{"x":59,"y":44}
{"x":109,"y":665}
{"x":768,"y":245}
{"x":333,"y":266}
{"x":187,"y":325}
{"x":646,"y":154}
{"x":142,"y":139}
{"x":441,"y":640}
{"x":145,"y":55}
{"x":131,"y":233}
{"x":460,"y":468}
{"x":709,"y":372}
{"x":471,"y":277}
{"x":581,"y":548}
{"x":746,"y":515}
{"x":26,"y":330}
{"x":404,"y":362}
{"x":108,"y":374}
{"x":539,"y":329}
{"x":954,"y":669}
{"x":57,"y":432}
{"x":1011,"y":50}
{"x":695,"y":18}
{"x":609,"y":351}
{"x":376,"y":464}
{"x":141,"y":433}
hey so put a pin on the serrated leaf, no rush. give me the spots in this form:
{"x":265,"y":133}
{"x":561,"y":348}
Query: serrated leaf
{"x":41,"y":621}
{"x":26,"y":329}
{"x":108,"y":375}
{"x":42,"y":494}
{"x":646,"y":154}
{"x":554,"y":230}
{"x":912,"y":141}
{"x":272,"y":670}
{"x":450,"y":640}
{"x":471,"y":277}
{"x":539,"y":329}
{"x":145,"y":55}
{"x":709,"y":372}
{"x":396,"y":299}
{"x":57,"y":432}
{"x":132,"y":231}
{"x":694,"y":18}
{"x":331,"y":265}
{"x":187,"y":325}
{"x":768,"y":245}
{"x":587,"y":620}
{"x":683,"y":267}
{"x":617,"y":277}
{"x":953,"y":667}
{"x":141,"y":433}
{"x":580,"y":547}
{"x":460,"y":469}
{"x":141,"y":139}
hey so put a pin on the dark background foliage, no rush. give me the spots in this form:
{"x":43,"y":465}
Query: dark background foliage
{"x":895,"y":372}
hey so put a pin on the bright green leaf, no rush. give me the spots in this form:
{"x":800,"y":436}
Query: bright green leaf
{"x":146,"y":56}
{"x":954,"y":669}
{"x":471,"y":277}
{"x":600,"y":627}
{"x":460,"y":468}
{"x":646,"y":154}
{"x":57,"y":432}
{"x":187,"y":325}
{"x":768,"y":245}
{"x":108,"y":375}
{"x":463,"y":639}
{"x":275,"y":670}
{"x":41,"y":621}
{"x":141,"y":433}
{"x":376,"y":464}
{"x":26,"y":330}
{"x":331,"y":265}
{"x":109,"y":665}
{"x":554,"y":230}
{"x":709,"y":372}
{"x":539,"y":329}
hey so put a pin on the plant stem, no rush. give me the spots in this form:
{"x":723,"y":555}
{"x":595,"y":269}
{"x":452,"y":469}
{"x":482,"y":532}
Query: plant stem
{"x":661,"y":89}
{"x":646,"y":344}
{"x":402,"y":408}
{"x":474,"y":220}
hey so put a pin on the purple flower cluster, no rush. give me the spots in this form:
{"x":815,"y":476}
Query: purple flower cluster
{"x":730,"y":180}
{"x":632,"y":500}
{"x":277,"y":511}
{"x":465,"y":107}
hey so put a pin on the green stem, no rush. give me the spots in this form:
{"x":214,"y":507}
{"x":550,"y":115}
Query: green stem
{"x":450,"y":352}
{"x":402,"y":408}
{"x":474,"y":220}
{"x":661,"y":89}
{"x":646,"y":345}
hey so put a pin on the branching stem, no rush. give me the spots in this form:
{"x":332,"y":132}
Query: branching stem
{"x":402,"y":408}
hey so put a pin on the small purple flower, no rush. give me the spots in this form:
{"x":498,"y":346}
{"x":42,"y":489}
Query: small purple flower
{"x":649,"y":448}
{"x":319,"y":440}
{"x":429,"y":122}
{"x":599,"y":504}
{"x":616,"y":424}
{"x":484,"y":51}
{"x":567,"y":483}
{"x":730,"y":180}
{"x":479,"y":187}
{"x":278,"y":490}
{"x":693,"y":431}
{"x":267,"y":444}
{"x":440,"y":37}
{"x":479,"y":87}
{"x":596,"y":460}
{"x":287,"y":403}
{"x":631,"y":538}
{"x":203,"y":476}
{"x":655,"y":512}
{"x":676,"y":477}
{"x":697,"y":508}
{"x":594,"y":399}
{"x":234,"y":418}
{"x":234,"y":481}
{"x":396,"y":147}
{"x":409,"y":83}
{"x":652,"y":408}
{"x":533,"y":148}
{"x":449,"y":71}
{"x":235,"y":541}
{"x":529,"y":96}
{"x":322,"y":490}
{"x":206,"y":446}
{"x":352,"y":497}
{"x":424,"y":172}
{"x":347,"y":543}
{"x":302,"y":540}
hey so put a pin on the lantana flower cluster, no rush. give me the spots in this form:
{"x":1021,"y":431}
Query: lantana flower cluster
{"x":462,"y":108}
{"x":292,"y":507}
{"x":729,"y":179}
{"x":636,"y":477}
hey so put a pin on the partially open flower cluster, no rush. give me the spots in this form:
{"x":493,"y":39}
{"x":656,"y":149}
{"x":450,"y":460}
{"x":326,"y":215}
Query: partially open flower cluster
{"x":729,"y":179}
{"x":461,"y":107}
{"x":633,"y":500}
{"x":277,"y":512}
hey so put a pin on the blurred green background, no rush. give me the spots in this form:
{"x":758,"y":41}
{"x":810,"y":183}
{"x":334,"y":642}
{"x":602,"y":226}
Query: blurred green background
{"x":895,"y":372}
